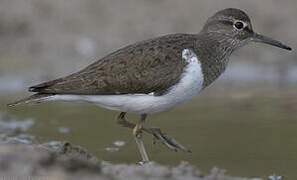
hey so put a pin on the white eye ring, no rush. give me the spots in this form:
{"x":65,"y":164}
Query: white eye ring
{"x":239,"y":25}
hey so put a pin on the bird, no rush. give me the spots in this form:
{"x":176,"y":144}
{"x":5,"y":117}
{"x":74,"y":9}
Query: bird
{"x":156,"y":75}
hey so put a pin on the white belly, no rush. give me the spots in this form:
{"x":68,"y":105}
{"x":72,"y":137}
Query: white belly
{"x":187,"y":88}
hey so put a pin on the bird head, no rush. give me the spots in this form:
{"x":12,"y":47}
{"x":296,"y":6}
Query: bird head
{"x":234,"y":26}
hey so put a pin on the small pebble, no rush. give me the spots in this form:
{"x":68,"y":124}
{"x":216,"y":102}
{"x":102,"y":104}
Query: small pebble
{"x":112,"y":149}
{"x":275,"y":177}
{"x":119,"y":143}
{"x":64,"y":130}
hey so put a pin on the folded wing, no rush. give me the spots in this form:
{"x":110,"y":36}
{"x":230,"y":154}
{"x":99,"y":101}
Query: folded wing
{"x":149,"y":66}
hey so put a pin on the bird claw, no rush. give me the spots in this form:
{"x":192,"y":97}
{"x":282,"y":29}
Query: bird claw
{"x":168,"y":141}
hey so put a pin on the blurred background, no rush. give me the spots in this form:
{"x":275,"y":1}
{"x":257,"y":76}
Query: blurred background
{"x":246,"y":122}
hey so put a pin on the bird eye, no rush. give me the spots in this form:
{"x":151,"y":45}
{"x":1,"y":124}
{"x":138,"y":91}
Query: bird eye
{"x":239,"y":25}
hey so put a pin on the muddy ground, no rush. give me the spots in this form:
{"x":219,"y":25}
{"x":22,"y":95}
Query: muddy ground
{"x":65,"y":161}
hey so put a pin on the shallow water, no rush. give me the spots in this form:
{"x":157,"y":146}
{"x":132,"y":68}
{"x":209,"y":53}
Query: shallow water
{"x":248,"y":136}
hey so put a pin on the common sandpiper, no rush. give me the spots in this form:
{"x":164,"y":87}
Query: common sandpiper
{"x":155,"y":75}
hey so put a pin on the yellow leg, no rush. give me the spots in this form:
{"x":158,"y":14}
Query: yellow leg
{"x":171,"y":143}
{"x":137,"y":128}
{"x":137,"y":133}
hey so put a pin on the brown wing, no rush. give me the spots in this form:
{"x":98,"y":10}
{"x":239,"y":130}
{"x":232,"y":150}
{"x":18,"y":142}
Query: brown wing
{"x":149,"y":66}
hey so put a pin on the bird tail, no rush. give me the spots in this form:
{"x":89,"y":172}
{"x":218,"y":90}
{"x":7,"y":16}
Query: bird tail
{"x":36,"y":98}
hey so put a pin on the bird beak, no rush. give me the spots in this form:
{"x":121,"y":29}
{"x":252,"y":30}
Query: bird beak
{"x":263,"y":39}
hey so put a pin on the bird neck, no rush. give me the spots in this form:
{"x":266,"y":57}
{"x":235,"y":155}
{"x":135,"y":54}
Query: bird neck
{"x":214,"y":51}
{"x":216,"y":45}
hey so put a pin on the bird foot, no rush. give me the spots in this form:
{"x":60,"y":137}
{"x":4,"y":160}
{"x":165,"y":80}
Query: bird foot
{"x":168,"y":141}
{"x":142,"y":163}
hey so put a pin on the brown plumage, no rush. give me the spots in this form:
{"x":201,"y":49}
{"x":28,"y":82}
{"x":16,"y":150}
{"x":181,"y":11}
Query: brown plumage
{"x":149,"y":66}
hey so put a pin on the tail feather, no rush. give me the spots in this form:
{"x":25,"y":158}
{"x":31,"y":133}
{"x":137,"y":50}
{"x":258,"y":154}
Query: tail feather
{"x":36,"y":98}
{"x":43,"y":87}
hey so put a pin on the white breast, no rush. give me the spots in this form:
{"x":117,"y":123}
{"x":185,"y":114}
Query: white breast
{"x":187,"y":88}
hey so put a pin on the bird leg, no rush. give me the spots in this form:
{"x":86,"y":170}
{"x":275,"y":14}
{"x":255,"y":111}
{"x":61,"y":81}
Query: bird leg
{"x":171,"y":143}
{"x":138,"y":127}
{"x":137,"y":133}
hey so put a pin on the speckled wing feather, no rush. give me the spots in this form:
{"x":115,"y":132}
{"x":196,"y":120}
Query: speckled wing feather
{"x":149,"y":66}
